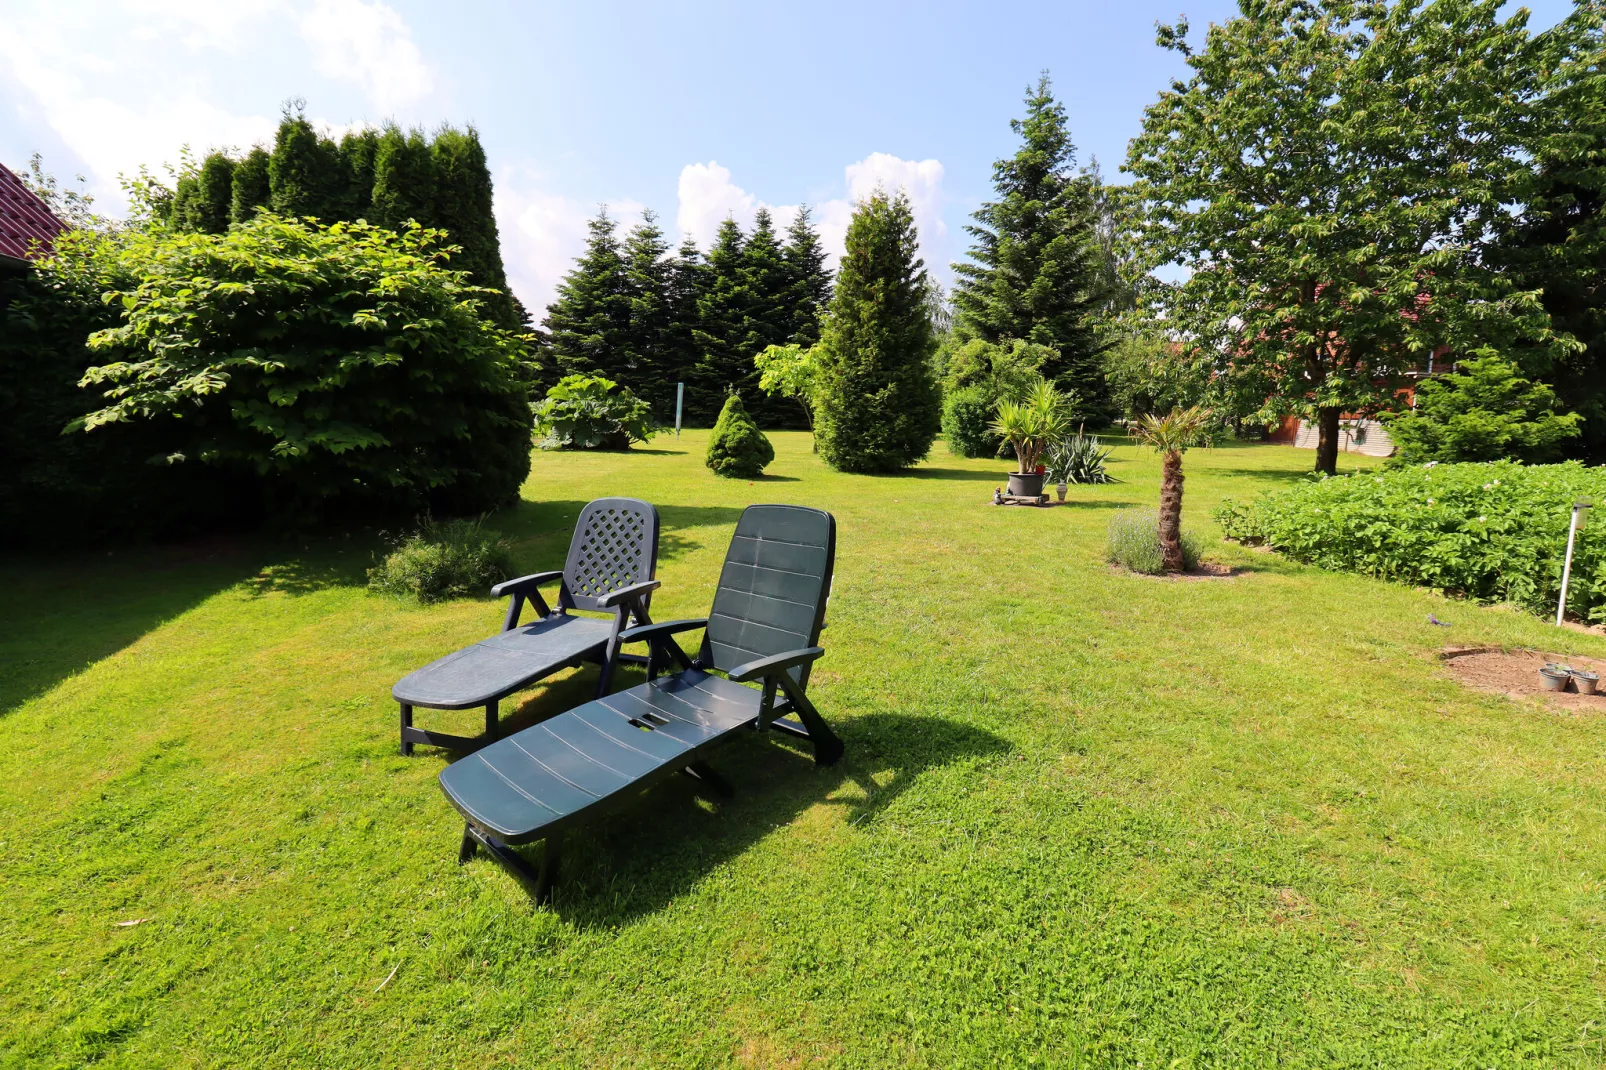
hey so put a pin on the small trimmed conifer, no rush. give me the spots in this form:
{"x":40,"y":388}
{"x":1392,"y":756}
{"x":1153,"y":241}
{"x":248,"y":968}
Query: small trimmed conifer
{"x":738,"y":449}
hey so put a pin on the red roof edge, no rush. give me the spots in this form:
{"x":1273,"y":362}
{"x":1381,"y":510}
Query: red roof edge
{"x":27,"y":228}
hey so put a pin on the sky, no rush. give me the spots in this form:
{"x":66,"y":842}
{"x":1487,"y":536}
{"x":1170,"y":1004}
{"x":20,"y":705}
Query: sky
{"x":697,"y":111}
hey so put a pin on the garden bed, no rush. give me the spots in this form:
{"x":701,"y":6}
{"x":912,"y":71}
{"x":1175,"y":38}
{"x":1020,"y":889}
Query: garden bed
{"x":1515,"y":673}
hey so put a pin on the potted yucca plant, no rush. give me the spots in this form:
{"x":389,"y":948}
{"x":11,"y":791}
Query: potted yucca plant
{"x":1029,"y":426}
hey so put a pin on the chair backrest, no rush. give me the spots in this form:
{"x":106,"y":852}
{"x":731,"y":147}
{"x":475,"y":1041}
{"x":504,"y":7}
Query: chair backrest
{"x":773,"y":588}
{"x":615,"y":544}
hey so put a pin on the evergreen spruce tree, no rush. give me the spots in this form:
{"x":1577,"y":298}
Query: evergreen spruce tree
{"x":589,"y":323}
{"x":404,"y":179}
{"x":720,"y":332}
{"x":808,"y":280}
{"x":766,"y":317}
{"x":250,"y":189}
{"x":1035,"y":263}
{"x":304,"y":174}
{"x":737,"y":448}
{"x":357,"y":151}
{"x":650,"y":344}
{"x":877,"y":405}
{"x":463,"y":210}
{"x":686,"y":281}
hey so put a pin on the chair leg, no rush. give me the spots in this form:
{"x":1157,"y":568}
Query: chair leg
{"x":827,"y":747}
{"x":491,"y":714}
{"x":537,"y":882}
{"x":700,"y":771}
{"x":465,"y":850}
{"x":406,"y":723}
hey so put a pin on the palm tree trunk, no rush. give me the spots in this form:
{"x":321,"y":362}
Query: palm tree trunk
{"x":1171,"y":512}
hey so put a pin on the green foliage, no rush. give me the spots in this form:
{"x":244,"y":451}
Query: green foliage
{"x":1133,"y":542}
{"x":589,"y":412}
{"x":1079,"y":458}
{"x":737,"y":448}
{"x":404,"y":179}
{"x":721,"y":330}
{"x":251,"y":188}
{"x":589,"y":323}
{"x":790,"y":371}
{"x":1494,"y":532}
{"x":967,"y":422}
{"x":1484,"y":411}
{"x":1035,"y":263}
{"x":1149,"y":374}
{"x":1329,"y":176}
{"x":454,"y":559}
{"x":1032,"y":424}
{"x":1006,"y":371}
{"x":304,"y":174}
{"x":808,"y":281}
{"x":359,"y":151}
{"x":345,"y":365}
{"x":461,"y":206}
{"x":878,"y":406}
{"x":204,"y":198}
{"x":655,"y":352}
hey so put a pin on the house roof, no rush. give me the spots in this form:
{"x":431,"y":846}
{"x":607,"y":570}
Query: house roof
{"x":27,"y":228}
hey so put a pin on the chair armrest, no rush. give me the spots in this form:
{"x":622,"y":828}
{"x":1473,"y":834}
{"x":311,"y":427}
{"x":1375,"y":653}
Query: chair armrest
{"x":524,"y":583}
{"x":625,"y":594}
{"x":777,"y":663}
{"x":645,"y":632}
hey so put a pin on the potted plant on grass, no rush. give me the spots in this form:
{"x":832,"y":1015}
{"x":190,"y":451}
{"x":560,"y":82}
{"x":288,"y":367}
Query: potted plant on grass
{"x":1029,"y":426}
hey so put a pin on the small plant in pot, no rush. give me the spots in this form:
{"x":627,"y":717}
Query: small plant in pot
{"x":1028,"y":427}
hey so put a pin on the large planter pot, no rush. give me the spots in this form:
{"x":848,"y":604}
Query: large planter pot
{"x":1025,"y":484}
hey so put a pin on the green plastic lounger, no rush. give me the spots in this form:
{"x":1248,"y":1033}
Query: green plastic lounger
{"x":612,"y":558}
{"x":763,"y":629}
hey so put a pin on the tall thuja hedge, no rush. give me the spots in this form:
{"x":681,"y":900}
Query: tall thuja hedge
{"x":404,"y":179}
{"x":877,"y":405}
{"x":304,"y":173}
{"x":462,"y":208}
{"x":250,"y":187}
{"x":346,"y":367}
{"x":204,"y":199}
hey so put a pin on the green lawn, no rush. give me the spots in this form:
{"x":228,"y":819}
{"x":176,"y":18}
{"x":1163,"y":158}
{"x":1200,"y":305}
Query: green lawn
{"x":1085,"y":818}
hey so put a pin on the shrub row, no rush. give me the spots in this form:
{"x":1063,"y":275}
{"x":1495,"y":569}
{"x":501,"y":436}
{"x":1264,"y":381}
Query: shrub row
{"x":1493,"y":531}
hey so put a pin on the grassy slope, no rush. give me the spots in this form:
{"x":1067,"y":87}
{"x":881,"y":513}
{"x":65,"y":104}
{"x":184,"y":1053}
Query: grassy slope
{"x":1085,"y":818}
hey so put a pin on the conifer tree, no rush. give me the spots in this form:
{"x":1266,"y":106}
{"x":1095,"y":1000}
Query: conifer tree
{"x":304,"y":174}
{"x":809,"y":281}
{"x":250,"y":189}
{"x":404,"y":179}
{"x":1034,"y":268}
{"x":589,"y":323}
{"x":214,"y":193}
{"x":357,"y":151}
{"x":463,"y":209}
{"x":766,"y":317}
{"x":877,"y":401}
{"x":720,"y":330}
{"x":686,"y":281}
{"x":651,"y":341}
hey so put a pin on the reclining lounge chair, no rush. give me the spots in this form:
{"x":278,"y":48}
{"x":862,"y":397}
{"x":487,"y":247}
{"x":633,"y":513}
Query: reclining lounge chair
{"x":612,"y":558}
{"x":763,"y":627}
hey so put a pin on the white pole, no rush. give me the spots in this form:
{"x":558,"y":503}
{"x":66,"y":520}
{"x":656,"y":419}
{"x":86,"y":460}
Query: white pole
{"x":680,"y":396}
{"x":1567,"y":566}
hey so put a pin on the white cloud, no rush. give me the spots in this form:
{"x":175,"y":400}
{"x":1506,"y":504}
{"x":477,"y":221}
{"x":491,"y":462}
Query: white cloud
{"x":708,"y":197}
{"x":542,"y":234}
{"x":369,"y":45}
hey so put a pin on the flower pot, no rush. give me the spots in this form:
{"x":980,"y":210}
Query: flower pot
{"x":1585,"y":681}
{"x":1554,"y":678}
{"x":1025,"y":484}
{"x":1060,"y":489}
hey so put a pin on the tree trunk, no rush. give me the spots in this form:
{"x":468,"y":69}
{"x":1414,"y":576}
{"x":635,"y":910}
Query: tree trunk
{"x":1327,"y":441}
{"x":1171,"y":512}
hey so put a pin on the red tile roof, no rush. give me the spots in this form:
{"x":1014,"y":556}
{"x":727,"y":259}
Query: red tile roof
{"x":26,"y":226}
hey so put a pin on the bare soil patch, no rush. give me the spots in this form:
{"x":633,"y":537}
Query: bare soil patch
{"x":1205,"y":570}
{"x":1515,"y":673}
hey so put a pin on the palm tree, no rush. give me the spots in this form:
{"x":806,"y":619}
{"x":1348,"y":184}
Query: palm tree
{"x":1170,"y":436}
{"x":1034,"y":423}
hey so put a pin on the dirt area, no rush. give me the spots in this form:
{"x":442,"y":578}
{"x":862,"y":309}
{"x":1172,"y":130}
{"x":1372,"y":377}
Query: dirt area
{"x":1516,"y":673}
{"x":1206,"y":570}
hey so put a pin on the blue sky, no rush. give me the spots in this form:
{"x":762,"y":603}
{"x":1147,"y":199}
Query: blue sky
{"x":696,"y":110}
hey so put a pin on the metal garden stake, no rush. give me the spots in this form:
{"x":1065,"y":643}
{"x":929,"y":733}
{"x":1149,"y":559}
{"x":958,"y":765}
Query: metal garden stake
{"x":680,"y":395}
{"x":1579,"y":508}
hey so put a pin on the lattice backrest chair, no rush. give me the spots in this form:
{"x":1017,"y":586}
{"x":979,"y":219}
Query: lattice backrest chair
{"x":610,"y":569}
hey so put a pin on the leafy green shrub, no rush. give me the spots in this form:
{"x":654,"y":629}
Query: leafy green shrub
{"x":347,"y":366}
{"x":1484,"y":412}
{"x":444,"y":560}
{"x":1079,"y":459}
{"x":1134,"y":542}
{"x":1493,"y":532}
{"x":590,"y":412}
{"x":737,"y":447}
{"x":967,"y":420}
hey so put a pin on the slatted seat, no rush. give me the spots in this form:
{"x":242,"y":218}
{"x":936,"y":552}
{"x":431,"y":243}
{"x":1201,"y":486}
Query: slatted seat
{"x":765,"y":621}
{"x":612,"y":558}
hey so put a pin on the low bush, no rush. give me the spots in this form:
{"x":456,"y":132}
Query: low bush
{"x":1485,"y":411}
{"x":967,"y":420}
{"x":1134,"y":542}
{"x":737,"y":448}
{"x":453,"y":559}
{"x":1079,"y":459}
{"x":589,"y":412}
{"x":1493,"y":531}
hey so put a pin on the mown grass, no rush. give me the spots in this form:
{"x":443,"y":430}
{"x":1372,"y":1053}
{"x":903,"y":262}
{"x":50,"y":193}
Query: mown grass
{"x":1085,"y":818}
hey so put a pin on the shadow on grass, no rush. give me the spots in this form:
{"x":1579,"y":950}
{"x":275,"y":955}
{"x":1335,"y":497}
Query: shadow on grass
{"x":65,"y":614}
{"x":950,"y":473}
{"x":1261,"y":475}
{"x":641,"y":855}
